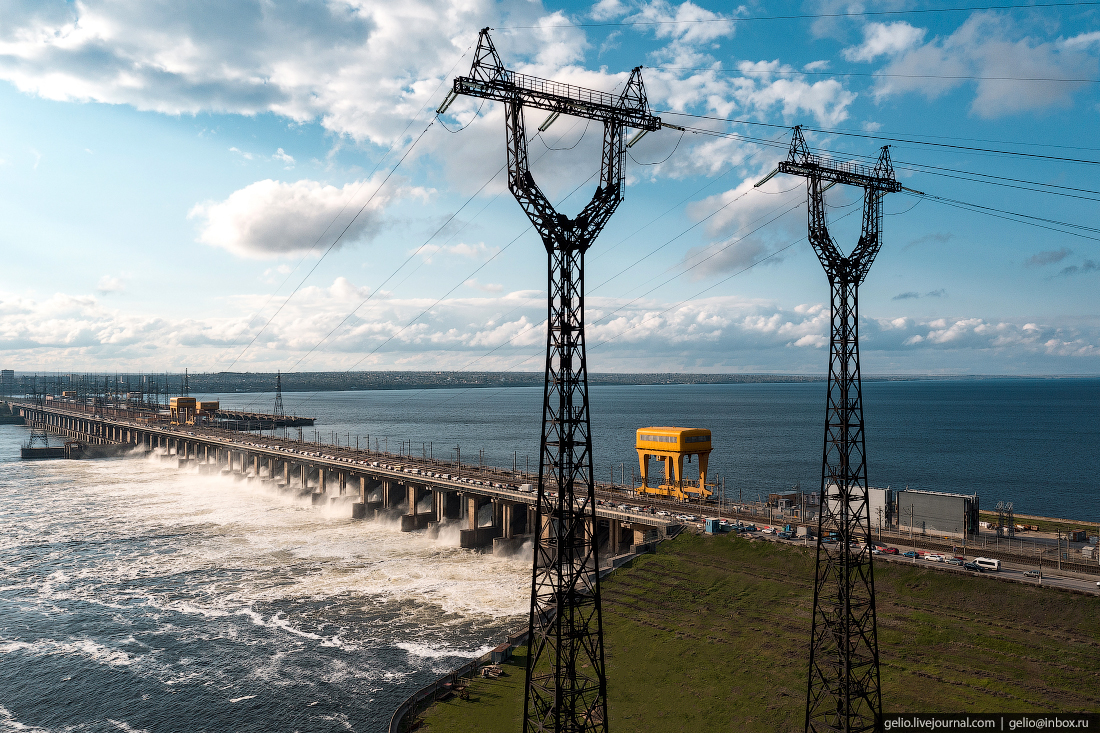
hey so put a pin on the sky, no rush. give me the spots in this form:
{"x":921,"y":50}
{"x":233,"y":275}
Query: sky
{"x":259,"y":185}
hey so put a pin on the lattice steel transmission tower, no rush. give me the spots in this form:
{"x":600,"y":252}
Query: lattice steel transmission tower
{"x":39,"y":435}
{"x":566,"y":688}
{"x":843,"y":692}
{"x":278,"y":409}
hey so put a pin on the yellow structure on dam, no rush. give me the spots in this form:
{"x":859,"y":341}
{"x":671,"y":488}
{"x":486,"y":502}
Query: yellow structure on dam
{"x":183,"y":410}
{"x":671,"y":446}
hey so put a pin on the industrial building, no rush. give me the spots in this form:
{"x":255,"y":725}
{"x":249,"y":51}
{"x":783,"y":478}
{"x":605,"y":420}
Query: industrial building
{"x":936,"y":513}
{"x":671,"y":446}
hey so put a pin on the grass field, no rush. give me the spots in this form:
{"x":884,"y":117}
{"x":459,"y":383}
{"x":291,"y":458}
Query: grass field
{"x":710,"y":633}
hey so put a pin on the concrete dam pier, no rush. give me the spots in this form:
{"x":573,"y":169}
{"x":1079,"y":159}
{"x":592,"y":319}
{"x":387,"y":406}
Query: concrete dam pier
{"x":373,"y":484}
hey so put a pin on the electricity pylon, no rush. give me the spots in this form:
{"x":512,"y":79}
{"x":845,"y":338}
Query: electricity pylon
{"x":566,"y":687}
{"x":843,"y":691}
{"x":278,"y":409}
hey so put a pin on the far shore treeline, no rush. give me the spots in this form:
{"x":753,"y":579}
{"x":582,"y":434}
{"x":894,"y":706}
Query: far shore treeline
{"x":215,"y":382}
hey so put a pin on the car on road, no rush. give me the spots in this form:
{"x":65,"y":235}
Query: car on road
{"x":909,"y":554}
{"x":973,"y":566}
{"x":1032,"y":574}
{"x":931,"y":557}
{"x":891,"y":550}
{"x":876,"y":551}
{"x":953,"y":561}
{"x":784,"y":535}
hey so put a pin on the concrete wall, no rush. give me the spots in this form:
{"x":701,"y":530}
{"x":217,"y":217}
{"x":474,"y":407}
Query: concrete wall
{"x":935,"y":513}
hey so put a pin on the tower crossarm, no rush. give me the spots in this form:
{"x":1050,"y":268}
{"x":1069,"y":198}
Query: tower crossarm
{"x":555,"y":96}
{"x":840,"y":171}
{"x":801,"y":162}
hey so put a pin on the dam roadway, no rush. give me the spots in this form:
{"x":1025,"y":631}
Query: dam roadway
{"x":373,"y":483}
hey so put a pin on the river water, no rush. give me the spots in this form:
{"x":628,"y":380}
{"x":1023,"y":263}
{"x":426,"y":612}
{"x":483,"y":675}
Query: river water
{"x":137,"y":597}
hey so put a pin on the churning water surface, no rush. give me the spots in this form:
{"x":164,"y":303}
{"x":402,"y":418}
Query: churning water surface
{"x":135,"y":596}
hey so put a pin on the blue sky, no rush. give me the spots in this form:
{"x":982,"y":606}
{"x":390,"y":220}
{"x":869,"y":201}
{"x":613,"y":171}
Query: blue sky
{"x":173,"y":179}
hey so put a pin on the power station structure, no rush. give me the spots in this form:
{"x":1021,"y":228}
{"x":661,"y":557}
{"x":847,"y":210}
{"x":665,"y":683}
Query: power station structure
{"x":671,"y":446}
{"x":843,"y":691}
{"x":566,"y":686}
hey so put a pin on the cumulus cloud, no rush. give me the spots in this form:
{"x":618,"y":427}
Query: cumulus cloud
{"x":718,"y":332}
{"x":933,"y":238}
{"x":749,"y":225}
{"x":1049,"y":257}
{"x":110,"y":284}
{"x":884,"y":39}
{"x":990,"y":47}
{"x":362,"y":68}
{"x":1084,"y":267}
{"x":272,"y":218}
{"x":484,"y":287}
{"x":913,"y":295}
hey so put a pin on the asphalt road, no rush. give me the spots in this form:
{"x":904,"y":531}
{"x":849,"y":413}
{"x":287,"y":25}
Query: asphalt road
{"x":1009,"y":571}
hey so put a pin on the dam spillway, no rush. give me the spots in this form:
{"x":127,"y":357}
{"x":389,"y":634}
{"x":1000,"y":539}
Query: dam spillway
{"x":372,"y":482}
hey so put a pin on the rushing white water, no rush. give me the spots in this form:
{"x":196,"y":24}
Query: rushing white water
{"x":149,"y":593}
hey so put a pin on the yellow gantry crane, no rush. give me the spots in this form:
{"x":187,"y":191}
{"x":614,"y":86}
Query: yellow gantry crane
{"x":670,"y":446}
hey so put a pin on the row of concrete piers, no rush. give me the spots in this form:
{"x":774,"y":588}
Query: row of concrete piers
{"x":373,"y":489}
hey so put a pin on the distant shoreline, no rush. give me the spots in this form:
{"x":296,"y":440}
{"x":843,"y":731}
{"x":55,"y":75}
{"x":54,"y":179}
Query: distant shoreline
{"x":260,"y":382}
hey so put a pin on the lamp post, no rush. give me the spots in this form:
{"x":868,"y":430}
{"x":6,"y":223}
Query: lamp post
{"x":911,"y":510}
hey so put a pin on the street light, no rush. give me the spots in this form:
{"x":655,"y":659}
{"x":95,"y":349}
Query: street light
{"x":911,"y":510}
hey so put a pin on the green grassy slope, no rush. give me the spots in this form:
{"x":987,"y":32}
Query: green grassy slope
{"x":710,"y":633}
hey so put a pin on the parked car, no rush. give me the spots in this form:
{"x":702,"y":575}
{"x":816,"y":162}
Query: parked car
{"x":972,"y":566}
{"x":909,"y":554}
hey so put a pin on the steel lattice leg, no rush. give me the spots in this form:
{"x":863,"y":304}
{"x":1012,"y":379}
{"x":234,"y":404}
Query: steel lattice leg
{"x":566,"y":684}
{"x":843,"y":693}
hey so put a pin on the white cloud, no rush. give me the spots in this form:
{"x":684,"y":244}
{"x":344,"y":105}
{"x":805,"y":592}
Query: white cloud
{"x":748,"y":223}
{"x":361,"y":67}
{"x":686,"y":25}
{"x":484,"y":287}
{"x":884,"y":39}
{"x":608,"y":9}
{"x":993,"y":49}
{"x":110,"y":284}
{"x":272,"y":218}
{"x":713,"y":333}
{"x":284,"y":157}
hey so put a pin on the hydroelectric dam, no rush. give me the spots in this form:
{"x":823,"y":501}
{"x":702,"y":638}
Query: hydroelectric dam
{"x":372,"y":483}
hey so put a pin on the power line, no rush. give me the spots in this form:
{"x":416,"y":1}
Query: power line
{"x":873,"y":74}
{"x":344,"y":207}
{"x":872,"y":136}
{"x":1017,"y":183}
{"x":798,"y":16}
{"x":714,"y":253}
{"x":334,"y":243}
{"x":1035,"y":221}
{"x":461,"y":282}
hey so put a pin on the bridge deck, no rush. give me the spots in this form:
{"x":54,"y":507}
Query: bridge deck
{"x":437,"y":475}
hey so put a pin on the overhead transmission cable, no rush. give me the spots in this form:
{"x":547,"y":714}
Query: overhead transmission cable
{"x":464,"y":280}
{"x":351,"y":198}
{"x":883,"y":137}
{"x":799,"y":16}
{"x":873,"y":74}
{"x":336,"y":241}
